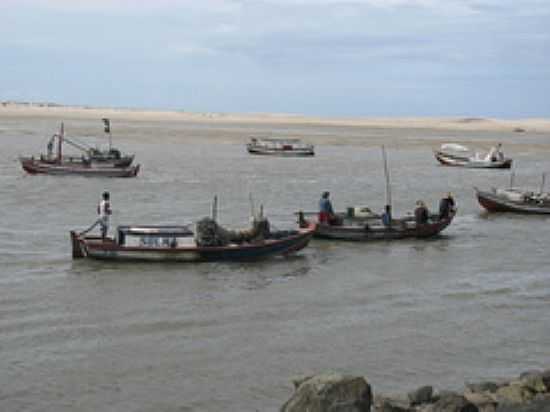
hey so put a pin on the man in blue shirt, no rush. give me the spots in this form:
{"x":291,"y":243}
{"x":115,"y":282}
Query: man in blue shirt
{"x":326,"y":213}
{"x":386,"y":216}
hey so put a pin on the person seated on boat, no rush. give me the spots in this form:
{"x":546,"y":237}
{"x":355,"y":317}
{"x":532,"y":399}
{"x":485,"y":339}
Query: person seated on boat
{"x":446,"y":206}
{"x":326,"y":212}
{"x":421,"y":213}
{"x":386,"y":216}
{"x":104,"y":211}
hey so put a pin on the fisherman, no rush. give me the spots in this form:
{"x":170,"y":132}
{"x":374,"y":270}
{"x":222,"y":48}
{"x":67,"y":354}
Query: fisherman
{"x":326,"y":212}
{"x":421,"y":213}
{"x":446,"y":206}
{"x":49,"y":148}
{"x":104,"y":211}
{"x":386,"y":216}
{"x":495,"y":154}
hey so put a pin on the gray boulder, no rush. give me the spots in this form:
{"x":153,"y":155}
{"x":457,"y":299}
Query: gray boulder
{"x":384,"y":403}
{"x":331,"y":393}
{"x":453,"y":403}
{"x":421,"y":395}
{"x":537,"y":381}
{"x":516,"y":393}
{"x":486,"y":386}
{"x":542,"y":405}
{"x":484,"y":401}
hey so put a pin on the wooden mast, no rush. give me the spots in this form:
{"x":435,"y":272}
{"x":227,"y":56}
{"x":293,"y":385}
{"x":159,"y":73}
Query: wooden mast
{"x":387,"y":175}
{"x":60,"y":143}
{"x":215,"y":208}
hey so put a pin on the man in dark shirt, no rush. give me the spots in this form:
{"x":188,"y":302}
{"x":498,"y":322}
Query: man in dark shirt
{"x":446,"y":205}
{"x":421,"y":213}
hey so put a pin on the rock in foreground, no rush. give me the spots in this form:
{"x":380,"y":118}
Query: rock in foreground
{"x":331,"y":393}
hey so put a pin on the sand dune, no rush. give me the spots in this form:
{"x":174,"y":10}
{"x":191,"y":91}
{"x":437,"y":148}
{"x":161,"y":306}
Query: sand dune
{"x":11,"y":110}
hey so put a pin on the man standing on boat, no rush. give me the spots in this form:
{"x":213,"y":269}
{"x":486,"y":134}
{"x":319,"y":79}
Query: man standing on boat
{"x":421,"y":213}
{"x":446,"y":205}
{"x":386,"y":216}
{"x":326,"y":213}
{"x":495,"y":154}
{"x":104,"y":211}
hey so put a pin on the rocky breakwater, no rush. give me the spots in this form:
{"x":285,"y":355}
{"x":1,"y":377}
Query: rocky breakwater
{"x":333,"y":392}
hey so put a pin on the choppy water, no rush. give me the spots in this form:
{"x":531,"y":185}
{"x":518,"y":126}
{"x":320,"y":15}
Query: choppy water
{"x":89,"y":336}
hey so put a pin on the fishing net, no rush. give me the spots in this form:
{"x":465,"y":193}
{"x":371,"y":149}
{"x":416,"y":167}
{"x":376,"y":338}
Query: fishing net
{"x":209,"y":233}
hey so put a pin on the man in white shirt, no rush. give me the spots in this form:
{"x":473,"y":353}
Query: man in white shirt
{"x":104,"y":211}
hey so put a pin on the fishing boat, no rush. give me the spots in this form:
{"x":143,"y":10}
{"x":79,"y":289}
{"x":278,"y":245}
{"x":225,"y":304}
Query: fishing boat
{"x":81,"y":168}
{"x":207,"y":242}
{"x":453,"y":154}
{"x":367,"y":228}
{"x":361,"y":224}
{"x":514,"y":199}
{"x":279,"y":147}
{"x":93,"y":161}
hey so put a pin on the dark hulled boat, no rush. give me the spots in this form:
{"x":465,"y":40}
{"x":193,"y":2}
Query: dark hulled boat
{"x":371,"y":228}
{"x":93,"y":162}
{"x":514,"y":200}
{"x":81,"y":168}
{"x":279,"y":147}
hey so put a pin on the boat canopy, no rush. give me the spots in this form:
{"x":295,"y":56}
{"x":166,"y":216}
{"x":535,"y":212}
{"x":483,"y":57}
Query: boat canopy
{"x":454,"y":147}
{"x":156,"y":231}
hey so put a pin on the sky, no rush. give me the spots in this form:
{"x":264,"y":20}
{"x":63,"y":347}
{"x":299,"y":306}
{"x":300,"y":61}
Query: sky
{"x":479,"y":58}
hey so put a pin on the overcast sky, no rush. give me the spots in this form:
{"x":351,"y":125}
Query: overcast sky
{"x":315,"y":57}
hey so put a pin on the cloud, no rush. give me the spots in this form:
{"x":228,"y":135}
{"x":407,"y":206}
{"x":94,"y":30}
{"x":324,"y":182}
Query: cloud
{"x":201,"y":49}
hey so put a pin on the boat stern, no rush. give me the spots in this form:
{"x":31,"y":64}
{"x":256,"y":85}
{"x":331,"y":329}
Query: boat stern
{"x":76,"y":244}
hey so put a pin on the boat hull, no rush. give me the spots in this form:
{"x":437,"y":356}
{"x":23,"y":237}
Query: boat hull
{"x":495,"y":203}
{"x":34,"y":167}
{"x":447,"y":159}
{"x":363,"y":230}
{"x":96,"y":248}
{"x":280,"y":152}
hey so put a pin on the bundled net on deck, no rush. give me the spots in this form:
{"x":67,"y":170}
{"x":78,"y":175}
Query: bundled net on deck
{"x":209,"y":233}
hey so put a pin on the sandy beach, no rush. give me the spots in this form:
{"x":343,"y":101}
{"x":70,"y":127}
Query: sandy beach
{"x":22,"y":111}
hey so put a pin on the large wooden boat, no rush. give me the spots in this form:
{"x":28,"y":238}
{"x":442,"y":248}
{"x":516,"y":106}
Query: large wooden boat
{"x":514,"y":200}
{"x":452,"y":154}
{"x":369,"y":228}
{"x":180,"y":244}
{"x":279,"y":147}
{"x":81,"y":168}
{"x":93,"y":161}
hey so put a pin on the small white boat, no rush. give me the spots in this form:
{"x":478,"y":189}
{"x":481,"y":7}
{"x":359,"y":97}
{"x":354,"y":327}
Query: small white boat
{"x":279,"y":147}
{"x":453,"y":154}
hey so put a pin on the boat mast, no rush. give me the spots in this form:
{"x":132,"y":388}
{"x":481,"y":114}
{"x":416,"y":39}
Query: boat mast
{"x":512,"y":176}
{"x":107,"y":124}
{"x":542,"y":183}
{"x":215,"y":208}
{"x":60,"y":143}
{"x":387,"y":175}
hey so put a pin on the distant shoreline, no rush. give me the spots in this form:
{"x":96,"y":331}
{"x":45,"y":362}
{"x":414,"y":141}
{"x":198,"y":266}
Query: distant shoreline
{"x":49,"y":110}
